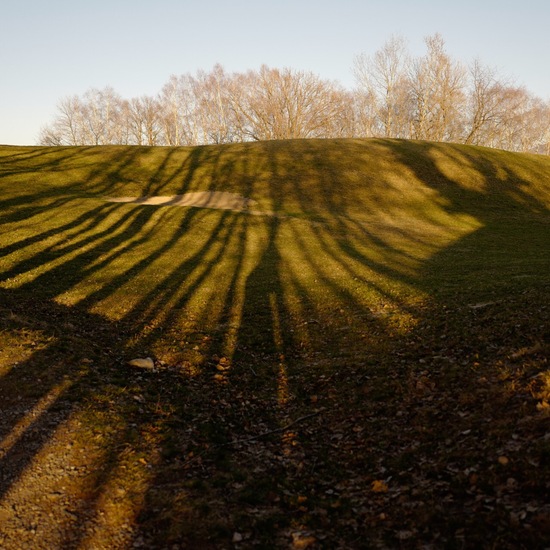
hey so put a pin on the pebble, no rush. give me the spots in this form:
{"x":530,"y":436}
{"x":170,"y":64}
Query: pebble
{"x":142,"y":363}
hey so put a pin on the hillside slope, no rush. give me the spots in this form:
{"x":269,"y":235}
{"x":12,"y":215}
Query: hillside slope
{"x":356,"y":351}
{"x":401,"y":207}
{"x":307,"y":175}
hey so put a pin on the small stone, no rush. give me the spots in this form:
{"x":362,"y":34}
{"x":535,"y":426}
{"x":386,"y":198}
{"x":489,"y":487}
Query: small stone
{"x":142,"y":363}
{"x":237,"y":537}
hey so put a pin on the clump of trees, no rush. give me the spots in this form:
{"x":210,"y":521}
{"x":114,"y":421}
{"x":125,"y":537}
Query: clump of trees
{"x":431,"y":97}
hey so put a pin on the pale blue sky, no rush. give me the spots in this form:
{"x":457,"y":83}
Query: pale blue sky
{"x":50,"y":49}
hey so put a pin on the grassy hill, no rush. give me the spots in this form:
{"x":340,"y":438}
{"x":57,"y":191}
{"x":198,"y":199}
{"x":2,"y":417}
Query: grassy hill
{"x":363,"y":354}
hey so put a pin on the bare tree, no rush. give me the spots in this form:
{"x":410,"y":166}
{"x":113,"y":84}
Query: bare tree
{"x":143,"y":120}
{"x":173,"y":99}
{"x":49,"y":137}
{"x":343,"y":122}
{"x":286,"y":104}
{"x":493,"y":103}
{"x":384,"y":77}
{"x":483,"y":105}
{"x":101,"y":112}
{"x":523,"y":122}
{"x":424,"y":98}
{"x":68,"y":128}
{"x":212,"y":106}
{"x":541,"y":127}
{"x":437,"y":86}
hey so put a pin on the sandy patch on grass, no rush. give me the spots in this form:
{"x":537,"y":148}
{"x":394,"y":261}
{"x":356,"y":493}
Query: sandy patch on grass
{"x":203,"y":199}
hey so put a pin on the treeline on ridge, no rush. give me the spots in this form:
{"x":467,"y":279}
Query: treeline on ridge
{"x":430,"y":97}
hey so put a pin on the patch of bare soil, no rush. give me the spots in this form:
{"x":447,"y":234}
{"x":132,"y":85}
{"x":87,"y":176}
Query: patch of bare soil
{"x":220,"y":200}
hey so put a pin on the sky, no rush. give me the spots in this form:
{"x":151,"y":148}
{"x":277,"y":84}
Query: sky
{"x":52,"y":49}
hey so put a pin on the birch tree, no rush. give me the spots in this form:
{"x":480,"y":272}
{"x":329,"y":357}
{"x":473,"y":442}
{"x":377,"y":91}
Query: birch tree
{"x":383,"y":77}
{"x":142,"y":118}
{"x":101,"y":111}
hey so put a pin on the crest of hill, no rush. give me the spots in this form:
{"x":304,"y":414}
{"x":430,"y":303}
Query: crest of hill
{"x":365,"y":178}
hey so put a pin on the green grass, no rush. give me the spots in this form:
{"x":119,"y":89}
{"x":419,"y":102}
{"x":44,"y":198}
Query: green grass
{"x":389,"y":289}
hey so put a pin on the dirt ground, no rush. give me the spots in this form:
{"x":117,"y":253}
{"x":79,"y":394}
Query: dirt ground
{"x":204,"y":199}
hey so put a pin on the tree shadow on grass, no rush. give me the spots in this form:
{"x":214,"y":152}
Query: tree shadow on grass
{"x":249,"y":318}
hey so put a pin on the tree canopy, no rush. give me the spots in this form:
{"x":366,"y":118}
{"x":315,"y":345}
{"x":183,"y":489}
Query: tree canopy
{"x":430,"y":97}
